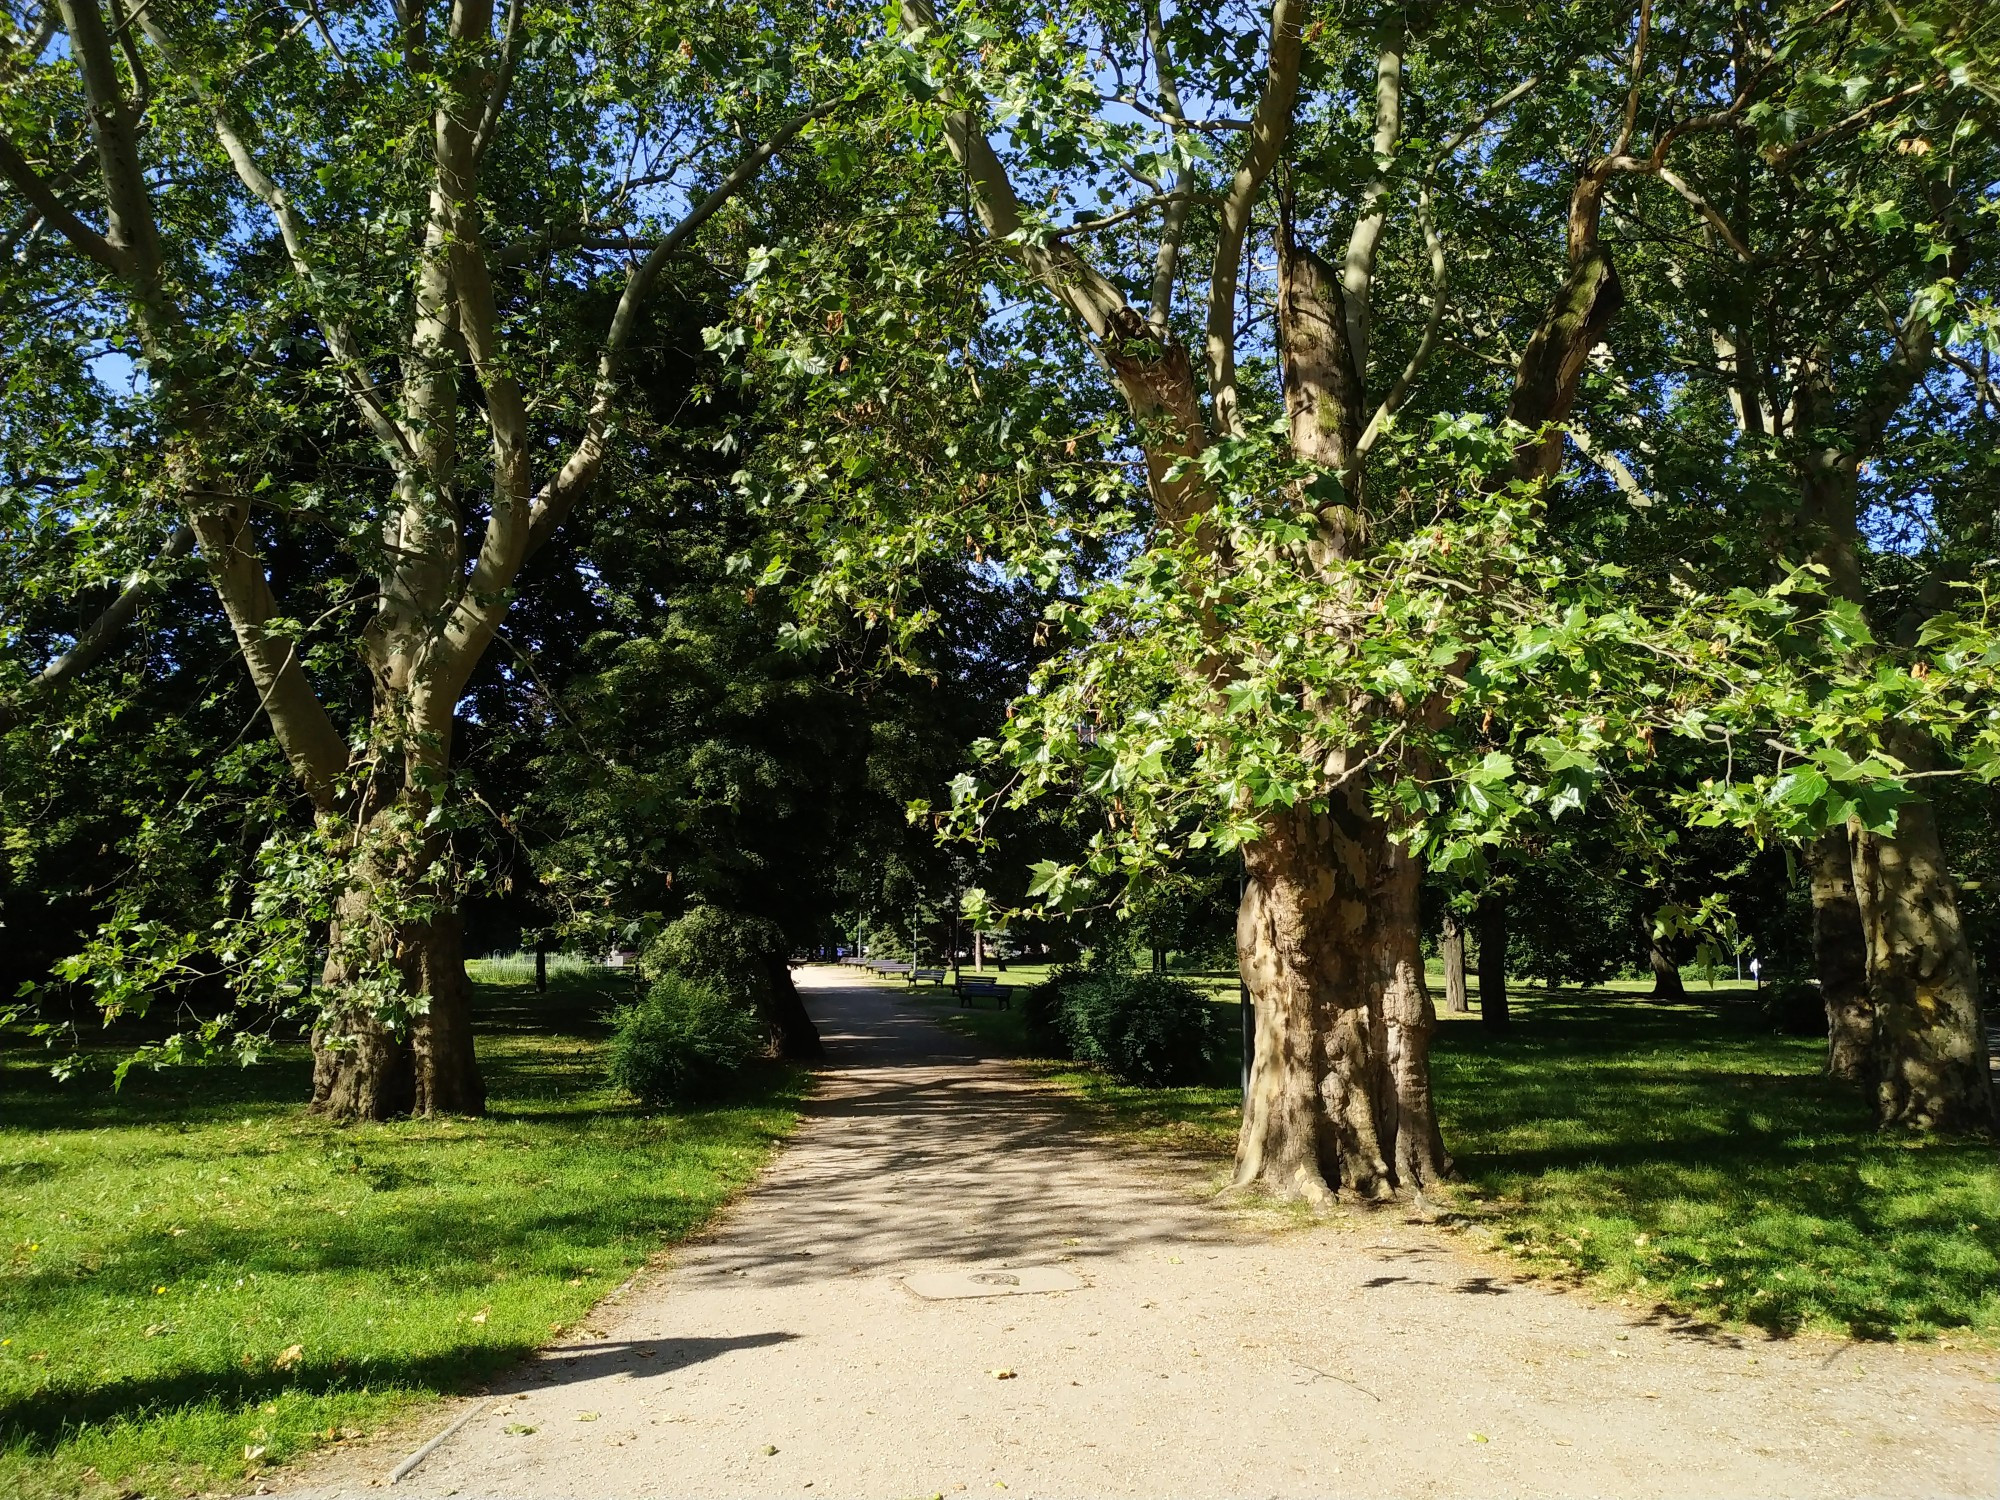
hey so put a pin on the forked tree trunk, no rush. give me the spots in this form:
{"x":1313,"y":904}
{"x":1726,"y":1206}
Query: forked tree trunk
{"x":796,"y":1035}
{"x":1840,"y":957}
{"x":1930,"y":1061}
{"x":1493,"y":1013}
{"x":1451,"y":945}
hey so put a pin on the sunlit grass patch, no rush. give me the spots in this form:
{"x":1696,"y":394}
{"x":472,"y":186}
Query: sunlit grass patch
{"x":1680,"y":1155}
{"x":201,"y":1280}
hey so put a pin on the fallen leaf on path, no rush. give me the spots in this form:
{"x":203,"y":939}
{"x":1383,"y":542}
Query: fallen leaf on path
{"x":520,"y":1429}
{"x":1479,"y":1437}
{"x":586,"y":1416}
{"x":769,"y":1449}
{"x":1002,"y":1374}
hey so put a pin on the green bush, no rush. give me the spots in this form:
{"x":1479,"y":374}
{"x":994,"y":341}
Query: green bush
{"x":725,"y":950}
{"x":683,"y":1043}
{"x":1042,"y":1012}
{"x":1793,"y":1007}
{"x":1144,"y":1029}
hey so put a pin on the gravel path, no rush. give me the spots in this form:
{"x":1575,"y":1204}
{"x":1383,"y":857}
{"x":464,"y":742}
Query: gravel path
{"x":1203,"y":1352}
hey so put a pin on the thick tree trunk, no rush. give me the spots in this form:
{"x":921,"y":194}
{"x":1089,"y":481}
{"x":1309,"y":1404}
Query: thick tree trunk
{"x":1930,"y":1062}
{"x":363,"y":1068}
{"x":796,"y":1035}
{"x":1409,"y":1129}
{"x":367,"y":1066}
{"x":447,"y":1074}
{"x":1451,"y":945}
{"x":1328,"y":941}
{"x":1666,"y":971}
{"x":1302,"y":942}
{"x":1492,"y":919}
{"x":1840,"y":956}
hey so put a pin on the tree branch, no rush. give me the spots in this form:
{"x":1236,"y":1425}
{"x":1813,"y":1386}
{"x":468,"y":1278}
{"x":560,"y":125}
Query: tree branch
{"x":1269,"y":125}
{"x":1631,"y":118}
{"x":1708,"y":211}
{"x":503,"y":81}
{"x":95,"y":641}
{"x":292,"y":231}
{"x":1177,"y":199}
{"x":42,"y":195}
{"x":1357,"y":271}
{"x":1785,"y":156}
{"x":580,"y":469}
{"x":1400,"y":390}
{"x":1166,"y":259}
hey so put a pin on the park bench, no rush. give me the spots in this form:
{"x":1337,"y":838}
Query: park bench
{"x":931,"y":976}
{"x":887,"y":966}
{"x":973,"y":986}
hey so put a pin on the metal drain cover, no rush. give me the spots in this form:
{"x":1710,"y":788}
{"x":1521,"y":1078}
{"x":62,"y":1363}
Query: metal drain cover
{"x":939,"y":1285}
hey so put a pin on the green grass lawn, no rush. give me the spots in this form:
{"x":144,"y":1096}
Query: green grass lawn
{"x":1675,"y":1155}
{"x":202,"y":1280}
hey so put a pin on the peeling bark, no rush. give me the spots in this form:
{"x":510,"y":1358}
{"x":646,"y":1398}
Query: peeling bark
{"x":1310,"y":1117}
{"x":1410,"y":1128}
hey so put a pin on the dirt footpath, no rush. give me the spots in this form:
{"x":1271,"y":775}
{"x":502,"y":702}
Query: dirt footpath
{"x":1199,"y":1353}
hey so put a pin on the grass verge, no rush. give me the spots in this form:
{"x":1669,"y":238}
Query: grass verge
{"x":1679,"y":1156}
{"x":203,"y":1281}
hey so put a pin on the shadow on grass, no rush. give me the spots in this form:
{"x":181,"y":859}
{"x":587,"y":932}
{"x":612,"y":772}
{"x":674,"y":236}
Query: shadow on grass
{"x":1683,"y":1149}
{"x":323,"y":1228}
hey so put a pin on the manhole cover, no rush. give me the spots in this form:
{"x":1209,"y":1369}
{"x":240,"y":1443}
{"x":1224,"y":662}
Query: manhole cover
{"x":940,"y":1285}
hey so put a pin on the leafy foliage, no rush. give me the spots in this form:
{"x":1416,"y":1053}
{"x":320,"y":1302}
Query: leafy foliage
{"x":1142,"y":1029}
{"x":683,"y":1043}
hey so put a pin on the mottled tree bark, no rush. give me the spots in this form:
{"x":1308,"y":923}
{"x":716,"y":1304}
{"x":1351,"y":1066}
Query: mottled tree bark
{"x":1492,"y":919}
{"x":1451,"y":945}
{"x":1930,"y":1064}
{"x":1840,"y":957}
{"x":447,"y":1071}
{"x":1311,"y":1117}
{"x":1401,"y":997}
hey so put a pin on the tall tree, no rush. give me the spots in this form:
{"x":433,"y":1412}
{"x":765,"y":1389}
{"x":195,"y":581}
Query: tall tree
{"x":394,"y":189}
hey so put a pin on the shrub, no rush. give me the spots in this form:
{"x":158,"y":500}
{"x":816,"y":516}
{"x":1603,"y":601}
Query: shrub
{"x":1042,"y":1011}
{"x":684,"y":1042}
{"x":1140,"y":1028}
{"x":725,"y":950}
{"x":1794,"y":1007}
